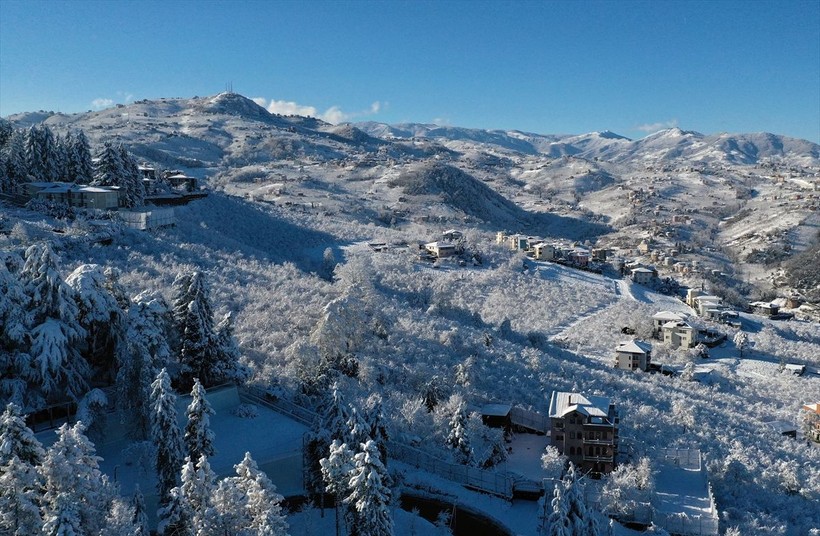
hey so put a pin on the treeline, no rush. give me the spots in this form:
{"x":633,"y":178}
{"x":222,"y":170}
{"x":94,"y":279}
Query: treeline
{"x":59,"y":337}
{"x":37,"y":154}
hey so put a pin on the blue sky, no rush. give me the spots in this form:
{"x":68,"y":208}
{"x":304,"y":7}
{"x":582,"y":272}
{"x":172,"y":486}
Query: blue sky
{"x":549,"y":67}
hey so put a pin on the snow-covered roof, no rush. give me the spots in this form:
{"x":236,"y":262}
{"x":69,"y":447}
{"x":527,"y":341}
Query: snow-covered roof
{"x":439,"y":245}
{"x":677,"y":325}
{"x":669,"y":316}
{"x":496,"y":410}
{"x":764,"y":305}
{"x":563,"y":403}
{"x":781,"y":427}
{"x":642,"y":270}
{"x":634,"y":347}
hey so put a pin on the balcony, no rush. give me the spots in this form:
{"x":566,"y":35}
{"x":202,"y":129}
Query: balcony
{"x":607,"y":442}
{"x":605,"y":459}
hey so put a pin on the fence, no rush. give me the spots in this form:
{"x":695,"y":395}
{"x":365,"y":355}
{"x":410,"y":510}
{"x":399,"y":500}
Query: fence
{"x":684,"y":524}
{"x":683,"y":458}
{"x":483,"y":480}
{"x":531,"y":420}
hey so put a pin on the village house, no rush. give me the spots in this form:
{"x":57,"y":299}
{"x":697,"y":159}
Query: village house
{"x":765,"y":308}
{"x":76,"y":195}
{"x":663,"y":317}
{"x":812,"y":422}
{"x":643,"y":276}
{"x":600,"y":254}
{"x":679,"y":334}
{"x":180,"y":180}
{"x":452,"y":235}
{"x":585,"y":429}
{"x":544,"y":252}
{"x":579,"y":256}
{"x":644,"y":247}
{"x":518,"y":242}
{"x":634,"y":354}
{"x":441,"y":249}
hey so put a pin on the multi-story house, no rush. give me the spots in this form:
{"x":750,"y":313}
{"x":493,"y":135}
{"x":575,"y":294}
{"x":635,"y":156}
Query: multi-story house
{"x":585,"y":429}
{"x":631,"y":355}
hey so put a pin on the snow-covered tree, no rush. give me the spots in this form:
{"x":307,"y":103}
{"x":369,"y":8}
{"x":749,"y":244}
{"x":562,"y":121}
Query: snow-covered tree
{"x":378,"y":427}
{"x":56,"y":365}
{"x":131,"y":180}
{"x":17,"y":439}
{"x":70,"y":471}
{"x":247,"y":504}
{"x":740,"y":339}
{"x":15,"y":161}
{"x":108,"y":169}
{"x":458,"y":438}
{"x":569,"y":515}
{"x":140,"y":518}
{"x":80,"y":165}
{"x":197,"y":484}
{"x":198,"y":353}
{"x":101,"y":317}
{"x":336,"y":471}
{"x":228,"y":366}
{"x":175,"y":518}
{"x":628,"y":488}
{"x":147,"y":352}
{"x":20,"y":497}
{"x":358,"y":429}
{"x":93,"y":411}
{"x":369,"y":494}
{"x":166,"y":434}
{"x":199,"y":438}
{"x":41,"y":154}
{"x":65,"y":519}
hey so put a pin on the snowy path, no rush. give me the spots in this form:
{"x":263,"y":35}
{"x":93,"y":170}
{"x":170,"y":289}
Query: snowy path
{"x":618,"y":292}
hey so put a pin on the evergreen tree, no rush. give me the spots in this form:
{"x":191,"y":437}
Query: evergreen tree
{"x":197,"y":484}
{"x":56,"y":366}
{"x":61,"y":152}
{"x":165,"y":434}
{"x":6,"y":130}
{"x":175,"y":518}
{"x":336,"y":471}
{"x":458,"y":439}
{"x":147,"y":352}
{"x":369,"y":494}
{"x":131,"y":180}
{"x":378,"y":428}
{"x":199,"y":439}
{"x":108,"y":170}
{"x":17,"y":439}
{"x":16,"y":163}
{"x":558,"y":522}
{"x":13,"y":338}
{"x":41,"y":154}
{"x":81,"y":167}
{"x":100,"y":316}
{"x":140,"y":518}
{"x":194,"y":318}
{"x":64,"y":520}
{"x":358,"y":431}
{"x":20,"y":497}
{"x":569,"y":516}
{"x":70,"y":471}
{"x":227,"y":364}
{"x":120,"y":519}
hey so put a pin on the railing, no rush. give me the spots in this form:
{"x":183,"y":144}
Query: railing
{"x":483,"y":480}
{"x":472,"y":477}
{"x":695,"y":525}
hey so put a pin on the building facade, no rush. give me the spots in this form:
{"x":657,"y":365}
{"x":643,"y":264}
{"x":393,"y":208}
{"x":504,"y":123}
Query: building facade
{"x":585,"y":430}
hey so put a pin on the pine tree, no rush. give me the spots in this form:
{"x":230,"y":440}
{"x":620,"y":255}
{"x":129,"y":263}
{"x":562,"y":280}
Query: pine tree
{"x":108,"y":167}
{"x":227,"y":364}
{"x":369,"y":494}
{"x":458,"y":439}
{"x":199,"y":439}
{"x":20,"y":497}
{"x":56,"y":363}
{"x":120,"y":519}
{"x":16,"y":163}
{"x":558,"y":522}
{"x":358,"y":431}
{"x":197,"y":484}
{"x":61,"y":155}
{"x":378,"y":428}
{"x":41,"y":154}
{"x":336,"y":471}
{"x":64,"y":520}
{"x":131,"y":179}
{"x":165,"y":434}
{"x":17,"y":439}
{"x":13,"y":338}
{"x":175,"y":518}
{"x":140,"y":518}
{"x":147,"y":351}
{"x":101,"y":317}
{"x":569,"y":516}
{"x":80,"y":162}
{"x":70,"y":470}
{"x":194,"y":318}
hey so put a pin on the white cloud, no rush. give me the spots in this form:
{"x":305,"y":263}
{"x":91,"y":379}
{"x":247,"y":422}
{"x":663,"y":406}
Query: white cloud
{"x":334,"y":114}
{"x":99,"y":104}
{"x":290,"y":108}
{"x":660,"y":125}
